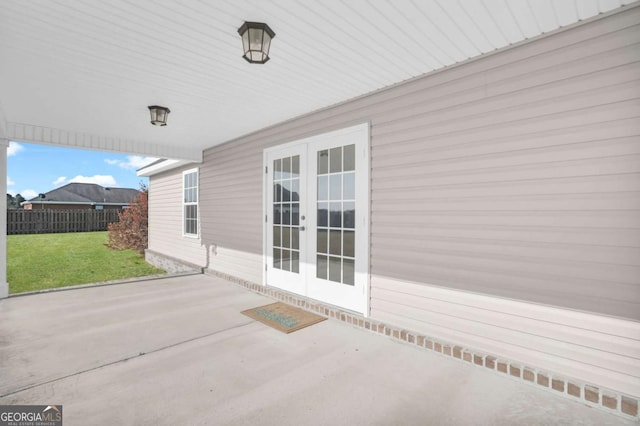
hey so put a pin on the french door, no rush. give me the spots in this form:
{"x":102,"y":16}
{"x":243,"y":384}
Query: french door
{"x":316,"y":205}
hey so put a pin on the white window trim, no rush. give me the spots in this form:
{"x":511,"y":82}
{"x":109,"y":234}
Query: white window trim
{"x":197,"y":203}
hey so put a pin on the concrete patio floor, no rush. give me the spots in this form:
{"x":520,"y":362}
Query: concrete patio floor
{"x":178,"y":351}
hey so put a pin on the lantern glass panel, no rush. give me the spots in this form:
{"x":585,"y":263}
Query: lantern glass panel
{"x":266,"y":44}
{"x":255,"y":37}
{"x":245,"y":41}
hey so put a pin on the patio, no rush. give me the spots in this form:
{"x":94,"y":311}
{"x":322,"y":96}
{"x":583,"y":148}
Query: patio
{"x":178,"y":351}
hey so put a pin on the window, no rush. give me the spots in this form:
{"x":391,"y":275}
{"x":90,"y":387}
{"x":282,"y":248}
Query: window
{"x":336,"y":214}
{"x":190,"y":203}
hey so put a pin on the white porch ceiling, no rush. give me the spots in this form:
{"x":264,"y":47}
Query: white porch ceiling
{"x":82,"y":73}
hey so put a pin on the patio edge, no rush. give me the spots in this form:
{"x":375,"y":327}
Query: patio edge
{"x":106,"y":283}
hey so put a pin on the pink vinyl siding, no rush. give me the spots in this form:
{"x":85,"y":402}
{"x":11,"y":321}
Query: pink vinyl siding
{"x":515,"y":175}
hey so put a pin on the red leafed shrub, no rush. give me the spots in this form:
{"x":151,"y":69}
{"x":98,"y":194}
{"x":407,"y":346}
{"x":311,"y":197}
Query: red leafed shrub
{"x":131,"y":232}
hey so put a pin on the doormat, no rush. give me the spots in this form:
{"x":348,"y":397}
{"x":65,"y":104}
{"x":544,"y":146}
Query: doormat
{"x":283,"y":317}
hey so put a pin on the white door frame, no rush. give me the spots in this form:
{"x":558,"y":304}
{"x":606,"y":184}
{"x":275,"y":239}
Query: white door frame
{"x":360,"y":136}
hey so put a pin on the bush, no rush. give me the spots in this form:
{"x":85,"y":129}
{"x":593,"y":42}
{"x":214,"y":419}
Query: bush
{"x":132,"y":230}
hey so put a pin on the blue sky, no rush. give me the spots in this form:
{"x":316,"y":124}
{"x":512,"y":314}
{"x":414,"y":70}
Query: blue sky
{"x":32,"y":169}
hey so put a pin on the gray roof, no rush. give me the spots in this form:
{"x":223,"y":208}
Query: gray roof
{"x":89,"y":193}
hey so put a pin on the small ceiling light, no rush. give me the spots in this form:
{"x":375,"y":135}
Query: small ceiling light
{"x":159,"y":115}
{"x":256,"y":41}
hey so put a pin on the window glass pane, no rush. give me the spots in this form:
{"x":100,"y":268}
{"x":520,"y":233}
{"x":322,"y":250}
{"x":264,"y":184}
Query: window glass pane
{"x":321,"y":267}
{"x":295,"y":262}
{"x":277,"y":216}
{"x":322,"y":241}
{"x":348,"y":271}
{"x":349,"y":214}
{"x":335,"y":216}
{"x":349,"y":186}
{"x":286,"y":260}
{"x":286,"y":214}
{"x":335,"y":187}
{"x":335,"y":159}
{"x":286,"y":190}
{"x":276,"y":258}
{"x":286,"y":237}
{"x":348,"y":243}
{"x":335,"y":269}
{"x":335,"y":242}
{"x":349,"y":158}
{"x":191,"y":219}
{"x":295,"y":190}
{"x":323,"y":214}
{"x":295,"y":214}
{"x":295,"y":166}
{"x":277,"y":169}
{"x":277,"y":193}
{"x":323,"y":188}
{"x":286,"y":167}
{"x":295,"y":238}
{"x":192,"y":212}
{"x":276,"y":236}
{"x":323,"y":162}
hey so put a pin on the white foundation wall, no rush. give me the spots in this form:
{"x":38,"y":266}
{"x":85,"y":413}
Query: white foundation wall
{"x":505,"y":201}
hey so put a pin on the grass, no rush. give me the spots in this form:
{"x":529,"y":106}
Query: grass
{"x":43,"y":261}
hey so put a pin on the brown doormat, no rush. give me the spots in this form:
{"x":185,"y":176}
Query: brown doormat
{"x":283,"y":317}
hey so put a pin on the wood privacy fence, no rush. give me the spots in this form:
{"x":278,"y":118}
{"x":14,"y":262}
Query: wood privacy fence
{"x":52,"y":221}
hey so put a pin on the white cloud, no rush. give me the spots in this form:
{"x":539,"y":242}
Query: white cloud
{"x":60,"y":181}
{"x":14,"y":148}
{"x":12,"y":192}
{"x":133,"y":162}
{"x":104,"y":180}
{"x":10,"y":182}
{"x":28,"y":194}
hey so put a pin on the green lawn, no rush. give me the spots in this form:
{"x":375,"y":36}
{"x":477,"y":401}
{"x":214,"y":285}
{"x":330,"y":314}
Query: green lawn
{"x":41,"y":261}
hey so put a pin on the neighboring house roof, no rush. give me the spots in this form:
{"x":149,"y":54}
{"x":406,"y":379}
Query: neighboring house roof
{"x":86,"y":193}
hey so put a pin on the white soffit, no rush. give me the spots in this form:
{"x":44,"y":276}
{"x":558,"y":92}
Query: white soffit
{"x":82,"y":73}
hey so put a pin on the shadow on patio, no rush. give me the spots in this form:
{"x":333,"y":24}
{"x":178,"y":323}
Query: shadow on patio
{"x":178,"y":351}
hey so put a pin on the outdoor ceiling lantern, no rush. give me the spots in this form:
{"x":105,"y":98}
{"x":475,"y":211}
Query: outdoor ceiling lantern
{"x":159,"y":115}
{"x":256,"y":41}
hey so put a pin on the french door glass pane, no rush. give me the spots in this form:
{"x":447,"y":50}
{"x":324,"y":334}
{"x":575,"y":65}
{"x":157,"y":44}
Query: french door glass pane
{"x":335,"y":198}
{"x":286,"y":214}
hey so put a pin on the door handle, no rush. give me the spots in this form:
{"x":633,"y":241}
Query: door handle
{"x":302,"y":228}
